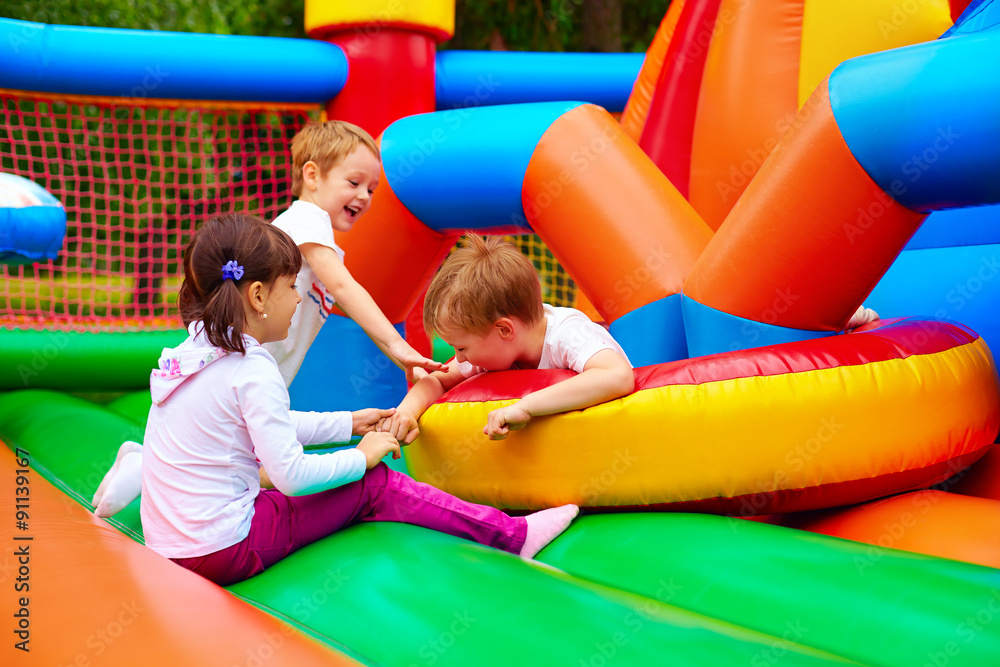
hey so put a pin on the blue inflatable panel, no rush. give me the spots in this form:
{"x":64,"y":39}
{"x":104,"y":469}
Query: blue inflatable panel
{"x":167,"y":65}
{"x":978,"y":225}
{"x":653,"y":334}
{"x":344,"y":370}
{"x":464,"y":168}
{"x":978,"y":16}
{"x":922,"y":120}
{"x":32,"y":222}
{"x":711,"y":331}
{"x":961,"y":284}
{"x":483,"y":78}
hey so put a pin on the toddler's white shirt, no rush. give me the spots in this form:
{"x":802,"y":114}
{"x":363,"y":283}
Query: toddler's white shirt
{"x":571,"y":339}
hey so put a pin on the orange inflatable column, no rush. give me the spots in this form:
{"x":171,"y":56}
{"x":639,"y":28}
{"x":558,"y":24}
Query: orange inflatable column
{"x":618,"y":226}
{"x":932,"y":522}
{"x":748,"y":97}
{"x":808,"y":241}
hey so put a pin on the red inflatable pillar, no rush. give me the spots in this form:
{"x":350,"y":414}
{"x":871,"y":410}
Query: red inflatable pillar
{"x":390,"y":47}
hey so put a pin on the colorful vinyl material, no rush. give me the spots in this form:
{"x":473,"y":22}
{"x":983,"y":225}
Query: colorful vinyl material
{"x":832,"y":421}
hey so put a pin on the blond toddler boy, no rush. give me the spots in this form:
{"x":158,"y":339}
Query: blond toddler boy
{"x":486,"y":302}
{"x":335,"y":170}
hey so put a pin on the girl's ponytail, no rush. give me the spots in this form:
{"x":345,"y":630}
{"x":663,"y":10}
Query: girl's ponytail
{"x":227,"y":255}
{"x":225,"y":317}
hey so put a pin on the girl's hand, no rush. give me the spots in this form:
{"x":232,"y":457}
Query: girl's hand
{"x":375,"y":446}
{"x":401,"y":426}
{"x":365,"y":421}
{"x":503,"y":420}
{"x":407,"y":358}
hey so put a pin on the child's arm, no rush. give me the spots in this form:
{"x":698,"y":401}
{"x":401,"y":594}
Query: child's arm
{"x":318,"y":428}
{"x":359,"y":305}
{"x":605,"y":376}
{"x":315,"y":428}
{"x":403,"y":424}
{"x":375,"y":446}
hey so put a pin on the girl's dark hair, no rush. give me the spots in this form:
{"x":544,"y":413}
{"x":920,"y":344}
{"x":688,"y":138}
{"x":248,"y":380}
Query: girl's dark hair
{"x":265,"y":253}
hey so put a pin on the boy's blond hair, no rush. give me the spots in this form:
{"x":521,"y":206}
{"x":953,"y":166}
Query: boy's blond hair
{"x":479,"y":283}
{"x":326,"y":144}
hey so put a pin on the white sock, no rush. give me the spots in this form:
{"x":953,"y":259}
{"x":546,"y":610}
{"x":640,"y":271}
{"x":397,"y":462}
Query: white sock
{"x":545,"y":526}
{"x":124,"y":487}
{"x":126,"y":447}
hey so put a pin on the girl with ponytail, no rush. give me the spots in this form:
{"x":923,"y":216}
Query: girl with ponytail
{"x":220,"y":410}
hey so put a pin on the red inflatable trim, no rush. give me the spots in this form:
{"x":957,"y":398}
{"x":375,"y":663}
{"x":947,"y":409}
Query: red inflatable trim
{"x":669,"y":130}
{"x":890,"y":339}
{"x":830,"y":494}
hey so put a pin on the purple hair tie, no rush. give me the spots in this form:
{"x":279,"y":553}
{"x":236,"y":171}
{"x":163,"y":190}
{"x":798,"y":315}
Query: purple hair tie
{"x":232,"y":270}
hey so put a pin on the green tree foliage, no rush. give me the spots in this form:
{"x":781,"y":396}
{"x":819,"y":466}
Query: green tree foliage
{"x":274,"y":18}
{"x":518,"y":25}
{"x":547,"y":25}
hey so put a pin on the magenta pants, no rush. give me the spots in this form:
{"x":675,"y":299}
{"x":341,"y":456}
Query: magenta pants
{"x":282,"y":524}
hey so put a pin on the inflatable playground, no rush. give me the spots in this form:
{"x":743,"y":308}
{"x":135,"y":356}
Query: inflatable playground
{"x":777,"y":490}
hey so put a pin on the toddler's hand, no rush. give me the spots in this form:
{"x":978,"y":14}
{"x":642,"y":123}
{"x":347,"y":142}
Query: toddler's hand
{"x":503,"y":420}
{"x":376,"y":445}
{"x":401,"y":426}
{"x":407,"y":358}
{"x":861,"y":317}
{"x":366,"y":421}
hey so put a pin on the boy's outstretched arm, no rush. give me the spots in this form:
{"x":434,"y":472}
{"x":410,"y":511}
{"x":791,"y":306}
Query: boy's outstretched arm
{"x":359,"y":305}
{"x":403,"y":424}
{"x":605,"y":376}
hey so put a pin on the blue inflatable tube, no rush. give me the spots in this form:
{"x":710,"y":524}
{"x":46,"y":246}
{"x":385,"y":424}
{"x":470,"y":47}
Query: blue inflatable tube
{"x":32,"y":221}
{"x":922,"y":120}
{"x":978,"y":225}
{"x":482,"y":78}
{"x":464,"y":168}
{"x":633,"y":332}
{"x":710,"y":331}
{"x":167,"y":65}
{"x":332,"y":379}
{"x":960,"y":283}
{"x":979,"y":15}
{"x":172,"y":65}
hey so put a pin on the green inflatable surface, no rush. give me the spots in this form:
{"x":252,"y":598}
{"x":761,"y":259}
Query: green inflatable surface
{"x":81,"y":361}
{"x":623,"y":589}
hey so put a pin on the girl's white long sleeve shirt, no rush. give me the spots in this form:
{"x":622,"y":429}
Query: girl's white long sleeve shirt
{"x":216,"y":417}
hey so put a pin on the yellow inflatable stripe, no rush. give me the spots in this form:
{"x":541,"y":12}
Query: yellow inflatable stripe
{"x":835,"y":30}
{"x":721,"y":439}
{"x":434,"y":16}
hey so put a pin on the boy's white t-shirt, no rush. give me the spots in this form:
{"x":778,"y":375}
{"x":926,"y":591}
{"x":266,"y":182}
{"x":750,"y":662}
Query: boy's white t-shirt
{"x":305,"y":223}
{"x":571,"y":339}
